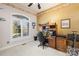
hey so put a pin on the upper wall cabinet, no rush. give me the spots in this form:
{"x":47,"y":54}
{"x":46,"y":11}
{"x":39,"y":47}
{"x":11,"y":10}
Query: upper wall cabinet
{"x":20,"y":26}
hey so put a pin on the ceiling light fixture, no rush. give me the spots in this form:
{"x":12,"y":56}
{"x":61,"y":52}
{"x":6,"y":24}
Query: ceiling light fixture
{"x":30,"y":4}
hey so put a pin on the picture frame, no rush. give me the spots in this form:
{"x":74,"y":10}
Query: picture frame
{"x":65,"y":23}
{"x":33,"y":25}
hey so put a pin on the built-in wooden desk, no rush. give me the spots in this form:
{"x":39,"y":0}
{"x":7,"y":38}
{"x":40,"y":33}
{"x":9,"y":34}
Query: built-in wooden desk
{"x":58,"y":43}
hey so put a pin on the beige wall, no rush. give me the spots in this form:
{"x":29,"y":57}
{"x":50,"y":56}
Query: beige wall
{"x":59,"y":12}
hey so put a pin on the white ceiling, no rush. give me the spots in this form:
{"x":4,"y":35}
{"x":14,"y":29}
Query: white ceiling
{"x":44,"y":6}
{"x":34,"y":8}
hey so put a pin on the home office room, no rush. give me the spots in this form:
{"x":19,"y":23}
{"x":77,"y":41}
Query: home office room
{"x":39,"y":29}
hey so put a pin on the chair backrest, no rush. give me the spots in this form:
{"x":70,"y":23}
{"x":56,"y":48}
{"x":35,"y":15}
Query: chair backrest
{"x":77,"y":37}
{"x":40,"y":37}
{"x":70,"y":37}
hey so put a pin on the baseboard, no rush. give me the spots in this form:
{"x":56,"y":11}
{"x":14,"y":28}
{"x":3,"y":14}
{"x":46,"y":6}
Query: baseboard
{"x":7,"y":47}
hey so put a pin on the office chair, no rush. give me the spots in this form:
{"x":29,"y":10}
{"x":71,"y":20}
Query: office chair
{"x":41,"y":39}
{"x":72,"y":50}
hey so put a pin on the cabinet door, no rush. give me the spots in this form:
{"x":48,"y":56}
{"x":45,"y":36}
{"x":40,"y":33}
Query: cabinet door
{"x":51,"y":42}
{"x":61,"y":44}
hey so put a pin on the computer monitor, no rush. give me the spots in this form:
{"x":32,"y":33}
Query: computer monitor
{"x":52,"y":33}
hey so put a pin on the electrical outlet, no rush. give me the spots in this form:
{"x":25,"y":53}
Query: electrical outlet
{"x":8,"y":42}
{"x":24,"y":44}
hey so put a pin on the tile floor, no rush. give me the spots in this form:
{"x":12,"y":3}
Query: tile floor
{"x":31,"y":49}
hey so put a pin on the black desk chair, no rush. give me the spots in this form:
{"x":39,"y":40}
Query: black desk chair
{"x":41,"y":39}
{"x":72,"y":50}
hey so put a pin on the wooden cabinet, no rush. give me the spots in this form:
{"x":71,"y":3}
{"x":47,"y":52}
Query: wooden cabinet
{"x":61,"y":44}
{"x":58,"y":43}
{"x":51,"y":41}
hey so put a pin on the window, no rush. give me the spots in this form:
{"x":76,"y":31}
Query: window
{"x":20,"y":26}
